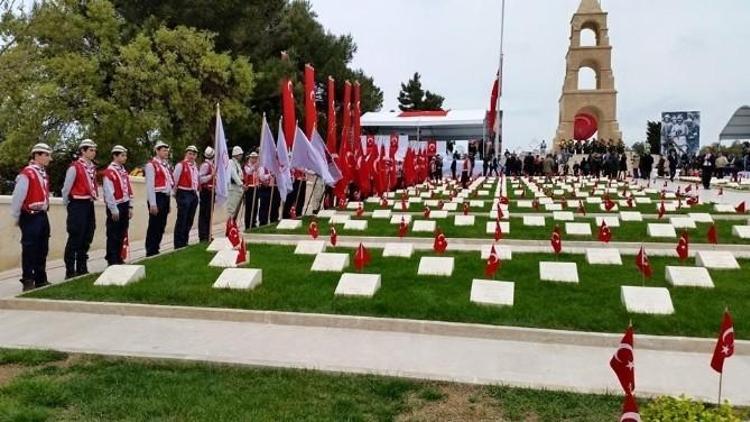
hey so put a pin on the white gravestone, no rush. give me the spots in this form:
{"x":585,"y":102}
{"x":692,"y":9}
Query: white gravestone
{"x":612,"y":221}
{"x":358,"y":225}
{"x":381,"y":214}
{"x":524,"y":204}
{"x":427,"y":226}
{"x":219,"y":244}
{"x":396,"y":218}
{"x":463,"y":220}
{"x":682,"y":222}
{"x":578,"y":229}
{"x":339,"y":219}
{"x":310,"y":247}
{"x":564,"y":272}
{"x":450,"y":206}
{"x":553,"y":207}
{"x":225,"y":259}
{"x":326,"y":213}
{"x":121,"y":275}
{"x":661,"y":230}
{"x":642,"y":199}
{"x":531,"y":220}
{"x":701,"y":217}
{"x":563,"y":216}
{"x":724,"y":208}
{"x":438,"y":214}
{"x":352,"y":284}
{"x":354,"y":205}
{"x":433,"y":265}
{"x":490,"y":227}
{"x":593,"y":200}
{"x":505,"y":253}
{"x":646,"y":300}
{"x":719,"y":260}
{"x":491,"y":292}
{"x":743,"y":232}
{"x":476,"y":203}
{"x":689,"y":276}
{"x":631,"y":216}
{"x":287,"y":224}
{"x":330,"y":262}
{"x":399,"y":250}
{"x":603,"y":256}
{"x":432,"y":203}
{"x":239,"y":278}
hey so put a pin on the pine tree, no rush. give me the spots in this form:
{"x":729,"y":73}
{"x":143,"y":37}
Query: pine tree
{"x":412,"y":97}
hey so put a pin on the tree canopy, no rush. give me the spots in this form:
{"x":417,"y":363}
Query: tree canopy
{"x":413,"y":97}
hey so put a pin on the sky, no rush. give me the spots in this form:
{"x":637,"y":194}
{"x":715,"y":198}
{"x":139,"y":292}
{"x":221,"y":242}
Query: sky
{"x":668,"y":55}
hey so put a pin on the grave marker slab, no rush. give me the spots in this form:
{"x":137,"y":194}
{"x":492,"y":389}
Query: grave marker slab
{"x":682,"y":222}
{"x":339,"y":219}
{"x":330,"y":262}
{"x":121,"y":275}
{"x":523,"y":203}
{"x":288,"y":224}
{"x":533,"y":220}
{"x":399,"y":250}
{"x":310,"y":247}
{"x":578,"y":229}
{"x":718,"y":260}
{"x":612,"y":221}
{"x":434,"y":265}
{"x":358,"y":225}
{"x":239,"y":278}
{"x":354,"y":284}
{"x":381,"y":214}
{"x":474,"y":203}
{"x":564,"y":272}
{"x":603,"y":256}
{"x":642,"y":199}
{"x":438,"y":214}
{"x":219,"y":244}
{"x":553,"y":207}
{"x":689,"y":276}
{"x":661,"y":230}
{"x":491,"y":292}
{"x":450,"y":206}
{"x":505,"y":253}
{"x":463,"y":220}
{"x":724,"y":208}
{"x":224,"y":259}
{"x":427,"y":226}
{"x":326,"y":213}
{"x":743,"y":232}
{"x":701,"y":217}
{"x":631,"y":216}
{"x":563,"y":216}
{"x":646,"y":300}
{"x":593,"y":200}
{"x":396,"y":218}
{"x":490,"y":227}
{"x":354,"y":205}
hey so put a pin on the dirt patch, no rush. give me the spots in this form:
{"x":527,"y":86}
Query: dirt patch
{"x":8,"y":372}
{"x":451,"y":402}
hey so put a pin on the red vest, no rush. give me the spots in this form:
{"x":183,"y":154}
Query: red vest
{"x":186,"y":177}
{"x":161,"y":175}
{"x":37,"y":195}
{"x":123,"y":191}
{"x":299,"y":174}
{"x":84,"y":185}
{"x":250,"y":177}
{"x":210,"y":184}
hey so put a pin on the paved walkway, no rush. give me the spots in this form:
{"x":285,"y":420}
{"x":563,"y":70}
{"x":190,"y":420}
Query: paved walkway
{"x":462,"y":359}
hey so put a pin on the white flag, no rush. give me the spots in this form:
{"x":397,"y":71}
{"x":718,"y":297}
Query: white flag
{"x":221,"y":178}
{"x":268,"y":158}
{"x":284,"y":176}
{"x":320,"y":147}
{"x":305,"y":156}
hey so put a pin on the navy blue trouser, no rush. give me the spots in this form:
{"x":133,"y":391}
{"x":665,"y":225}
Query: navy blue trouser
{"x":156,"y":224}
{"x":187,"y":204}
{"x":204,"y":215}
{"x":81,"y":223}
{"x":116,"y":231}
{"x":34,"y":246}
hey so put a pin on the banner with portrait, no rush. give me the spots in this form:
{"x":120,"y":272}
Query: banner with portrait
{"x":680,"y":131}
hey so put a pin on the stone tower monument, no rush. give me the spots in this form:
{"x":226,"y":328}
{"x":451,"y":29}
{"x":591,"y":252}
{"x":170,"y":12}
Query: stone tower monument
{"x":600,"y":102}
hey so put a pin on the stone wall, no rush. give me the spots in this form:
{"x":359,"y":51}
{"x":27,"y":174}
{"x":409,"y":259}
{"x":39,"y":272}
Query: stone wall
{"x":10,"y":252}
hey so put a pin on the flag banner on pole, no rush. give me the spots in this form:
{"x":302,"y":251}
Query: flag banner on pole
{"x":320,"y":147}
{"x":288,"y":110}
{"x":268,"y":158}
{"x":284,"y":177}
{"x":221,"y":178}
{"x":623,"y":362}
{"x":311,"y":113}
{"x":331,"y":132}
{"x":724,"y":344}
{"x":305,"y":156}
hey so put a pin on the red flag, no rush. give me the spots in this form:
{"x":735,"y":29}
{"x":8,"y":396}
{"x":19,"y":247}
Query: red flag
{"x":440,"y":204}
{"x":431,"y":147}
{"x":383,"y":202}
{"x":724,"y":344}
{"x":740,"y":208}
{"x":466,"y":208}
{"x":360,"y":210}
{"x":311,"y":112}
{"x":609,"y":204}
{"x":289,"y":113}
{"x":493,"y":262}
{"x":692,"y":200}
{"x":500,"y":213}
{"x":641,"y":261}
{"x":232,"y":233}
{"x":623,"y":362}
{"x":630,"y":202}
{"x":556,"y":242}
{"x":630,"y":410}
{"x":712,"y":236}
{"x":581,"y":208}
{"x":393,"y":145}
{"x":662,"y":210}
{"x":356,"y":114}
{"x":361,"y":257}
{"x":688,"y":188}
{"x":125,"y":249}
{"x":504,"y":200}
{"x":495,"y":93}
{"x":426,"y":212}
{"x":242,"y":253}
{"x":605,"y":234}
{"x":535,"y":204}
{"x":404,"y":205}
{"x":403,"y":228}
{"x":334,"y":236}
{"x":331,"y":132}
{"x":312,"y":230}
{"x":441,"y":243}
{"x":682,"y":247}
{"x":498,"y":231}
{"x":346,"y":129}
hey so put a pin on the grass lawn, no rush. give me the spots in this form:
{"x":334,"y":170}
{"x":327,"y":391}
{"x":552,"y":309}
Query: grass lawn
{"x":184,"y":278}
{"x":74,"y":387}
{"x":630,"y":231}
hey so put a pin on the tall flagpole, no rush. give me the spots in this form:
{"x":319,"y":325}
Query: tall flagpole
{"x":500,"y":78}
{"x":213,"y":180}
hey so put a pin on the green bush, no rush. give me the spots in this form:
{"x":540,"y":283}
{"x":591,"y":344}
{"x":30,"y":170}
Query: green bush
{"x":683,"y":409}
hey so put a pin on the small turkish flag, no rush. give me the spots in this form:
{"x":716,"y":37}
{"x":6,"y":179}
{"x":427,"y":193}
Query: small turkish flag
{"x":242,"y":253}
{"x":383,"y":202}
{"x":662,"y":210}
{"x":426,"y":212}
{"x":504,"y":200}
{"x":334,"y":236}
{"x":440,"y":205}
{"x":403,"y":204}
{"x":641,"y":261}
{"x":682,"y":247}
{"x":688,"y":188}
{"x":623,"y":362}
{"x":609,"y":204}
{"x":605,"y":234}
{"x":232,"y":233}
{"x":630,"y":201}
{"x":556,"y":242}
{"x":724,"y":344}
{"x":403,"y":228}
{"x":361,"y":257}
{"x":360,"y":210}
{"x":692,"y":200}
{"x":125,"y":249}
{"x":712,"y":236}
{"x":312,"y":230}
{"x":535,"y":204}
{"x":740,"y":208}
{"x":441,"y":243}
{"x":466,"y":208}
{"x":493,"y":263}
{"x":498,"y":231}
{"x":581,"y":208}
{"x":630,"y":410}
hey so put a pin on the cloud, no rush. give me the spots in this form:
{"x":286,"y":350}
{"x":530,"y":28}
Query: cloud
{"x":667,"y":55}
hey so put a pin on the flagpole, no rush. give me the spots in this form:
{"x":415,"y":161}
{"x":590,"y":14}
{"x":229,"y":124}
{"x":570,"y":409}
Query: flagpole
{"x":500,"y":78}
{"x":721,"y":376}
{"x":252,"y":209}
{"x":299,"y":191}
{"x":213,"y":179}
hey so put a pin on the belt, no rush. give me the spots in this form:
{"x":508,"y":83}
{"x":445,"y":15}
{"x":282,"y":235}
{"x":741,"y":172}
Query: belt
{"x":32,"y":212}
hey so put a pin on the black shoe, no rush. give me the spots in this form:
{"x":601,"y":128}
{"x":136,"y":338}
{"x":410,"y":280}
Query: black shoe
{"x":27,"y":285}
{"x":38,"y":285}
{"x":82,"y":272}
{"x":69,"y":274}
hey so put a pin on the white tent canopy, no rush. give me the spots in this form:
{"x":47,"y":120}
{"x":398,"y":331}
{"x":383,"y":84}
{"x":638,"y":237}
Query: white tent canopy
{"x":738,"y":127}
{"x":452,"y":125}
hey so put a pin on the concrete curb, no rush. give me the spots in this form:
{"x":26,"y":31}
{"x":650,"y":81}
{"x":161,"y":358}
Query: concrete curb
{"x":441,"y":328}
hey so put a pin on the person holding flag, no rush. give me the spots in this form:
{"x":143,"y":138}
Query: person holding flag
{"x":118,"y":194}
{"x":251,"y":182}
{"x":159,"y":186}
{"x":205,"y":206}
